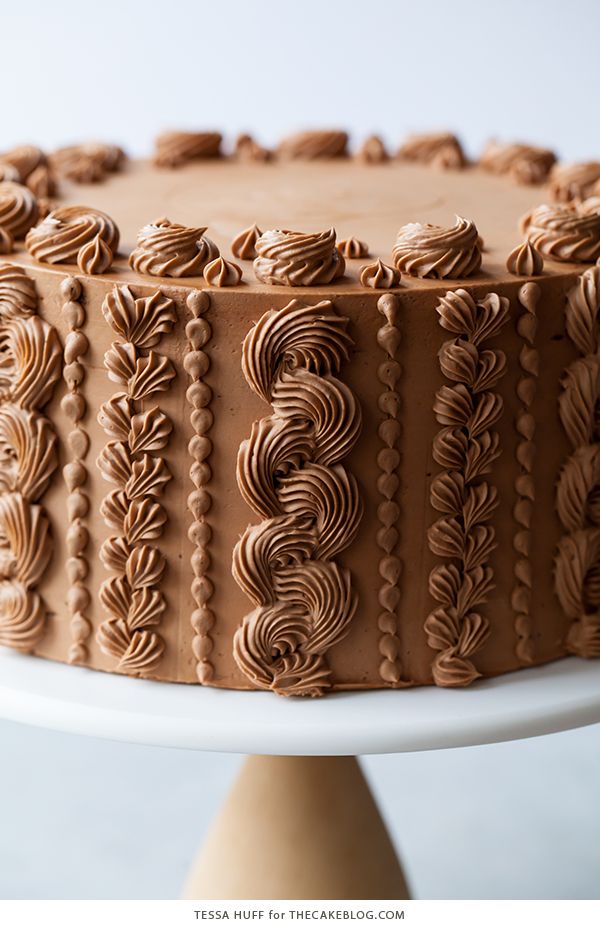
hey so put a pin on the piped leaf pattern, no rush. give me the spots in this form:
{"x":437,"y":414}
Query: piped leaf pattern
{"x":466,"y":446}
{"x":136,"y":434}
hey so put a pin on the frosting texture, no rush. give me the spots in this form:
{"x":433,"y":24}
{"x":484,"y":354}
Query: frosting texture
{"x":67,"y":231}
{"x":525,"y":164}
{"x":429,"y":251}
{"x":378,"y":276}
{"x":290,"y":474}
{"x":373,"y":151}
{"x":564,"y":233}
{"x":465,"y":447}
{"x":439,"y":149}
{"x":328,"y":143}
{"x":525,"y":260}
{"x":244,"y":244}
{"x":30,"y":366}
{"x":19,"y":209}
{"x":131,"y":596}
{"x":176,"y":148}
{"x":575,"y":181}
{"x":297,"y":259}
{"x":578,"y":558}
{"x":87,"y":163}
{"x":169,"y":250}
{"x":221,"y":273}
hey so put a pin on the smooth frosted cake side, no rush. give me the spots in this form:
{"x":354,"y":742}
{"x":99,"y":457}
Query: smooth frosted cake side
{"x":367,"y":462}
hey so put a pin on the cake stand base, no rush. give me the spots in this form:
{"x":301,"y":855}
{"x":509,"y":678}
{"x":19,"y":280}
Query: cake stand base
{"x":301,"y":822}
{"x":298,"y":827}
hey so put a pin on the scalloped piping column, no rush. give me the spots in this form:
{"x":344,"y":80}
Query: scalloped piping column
{"x":465,"y":447}
{"x":30,"y":366}
{"x":75,"y":472}
{"x":388,"y":459}
{"x":132,"y":596}
{"x":199,"y":395}
{"x":577,"y":566}
{"x":290,"y":473}
{"x":529,"y":295}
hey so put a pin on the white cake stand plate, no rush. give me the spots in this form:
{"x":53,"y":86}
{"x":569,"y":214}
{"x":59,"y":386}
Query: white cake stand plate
{"x":299,"y":823}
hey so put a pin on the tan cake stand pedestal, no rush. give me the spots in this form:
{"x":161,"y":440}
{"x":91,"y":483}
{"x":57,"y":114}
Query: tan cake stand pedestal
{"x":300,"y":822}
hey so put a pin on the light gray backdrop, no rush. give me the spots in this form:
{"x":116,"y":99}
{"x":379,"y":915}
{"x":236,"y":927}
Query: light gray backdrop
{"x":82,"y":818}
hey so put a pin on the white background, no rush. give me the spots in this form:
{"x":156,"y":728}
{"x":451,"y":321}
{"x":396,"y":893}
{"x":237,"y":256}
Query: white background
{"x":81,"y":818}
{"x":516,"y":69}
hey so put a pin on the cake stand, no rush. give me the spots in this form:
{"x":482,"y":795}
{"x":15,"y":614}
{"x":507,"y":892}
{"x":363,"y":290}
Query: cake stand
{"x":300,"y":822}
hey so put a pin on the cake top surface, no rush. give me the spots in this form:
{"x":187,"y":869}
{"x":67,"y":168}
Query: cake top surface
{"x":366,"y":203}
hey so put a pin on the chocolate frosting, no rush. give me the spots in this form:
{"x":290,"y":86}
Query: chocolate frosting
{"x":297,"y":259}
{"x":221,"y":273}
{"x":166,"y":249}
{"x":24,"y":159}
{"x":564,"y":233}
{"x":373,"y":151}
{"x":439,"y":149}
{"x":19,"y":209}
{"x":177,"y":148}
{"x":17,"y":293}
{"x":7,"y":243}
{"x":378,"y":276}
{"x":353,"y":248}
{"x":317,"y":143}
{"x":94,"y":257}
{"x":526,"y":164}
{"x":575,"y":181}
{"x":244,"y":244}
{"x":289,"y":473}
{"x":463,"y":536}
{"x":247,"y":149}
{"x":87,"y":163}
{"x":429,"y":251}
{"x":525,"y":260}
{"x":59,"y":238}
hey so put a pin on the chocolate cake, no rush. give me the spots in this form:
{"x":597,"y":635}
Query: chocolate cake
{"x":307,"y":419}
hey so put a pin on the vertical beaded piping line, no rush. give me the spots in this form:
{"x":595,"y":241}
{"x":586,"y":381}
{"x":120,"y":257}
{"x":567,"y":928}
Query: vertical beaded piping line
{"x":529,"y":295}
{"x":388,"y":459}
{"x":75,"y":473}
{"x":199,"y":395}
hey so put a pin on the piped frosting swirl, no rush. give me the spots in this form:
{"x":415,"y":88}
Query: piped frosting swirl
{"x":574,"y":181}
{"x":59,"y":238}
{"x":525,"y":260}
{"x":19,"y":209}
{"x":429,"y":251}
{"x":248,"y":149}
{"x":525,"y":164}
{"x":378,"y":276}
{"x":353,"y":248}
{"x":87,"y":163}
{"x":178,"y":148}
{"x":297,"y":259}
{"x":313,"y":144}
{"x":221,"y":273}
{"x":169,"y":250}
{"x":439,"y":149}
{"x":24,"y":159}
{"x":564,"y":233}
{"x":373,"y":151}
{"x":244,"y":244}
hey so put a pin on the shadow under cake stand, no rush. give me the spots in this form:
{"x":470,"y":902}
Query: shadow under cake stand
{"x":300,"y":822}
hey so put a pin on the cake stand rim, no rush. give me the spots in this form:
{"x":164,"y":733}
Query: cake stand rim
{"x":532,"y":702}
